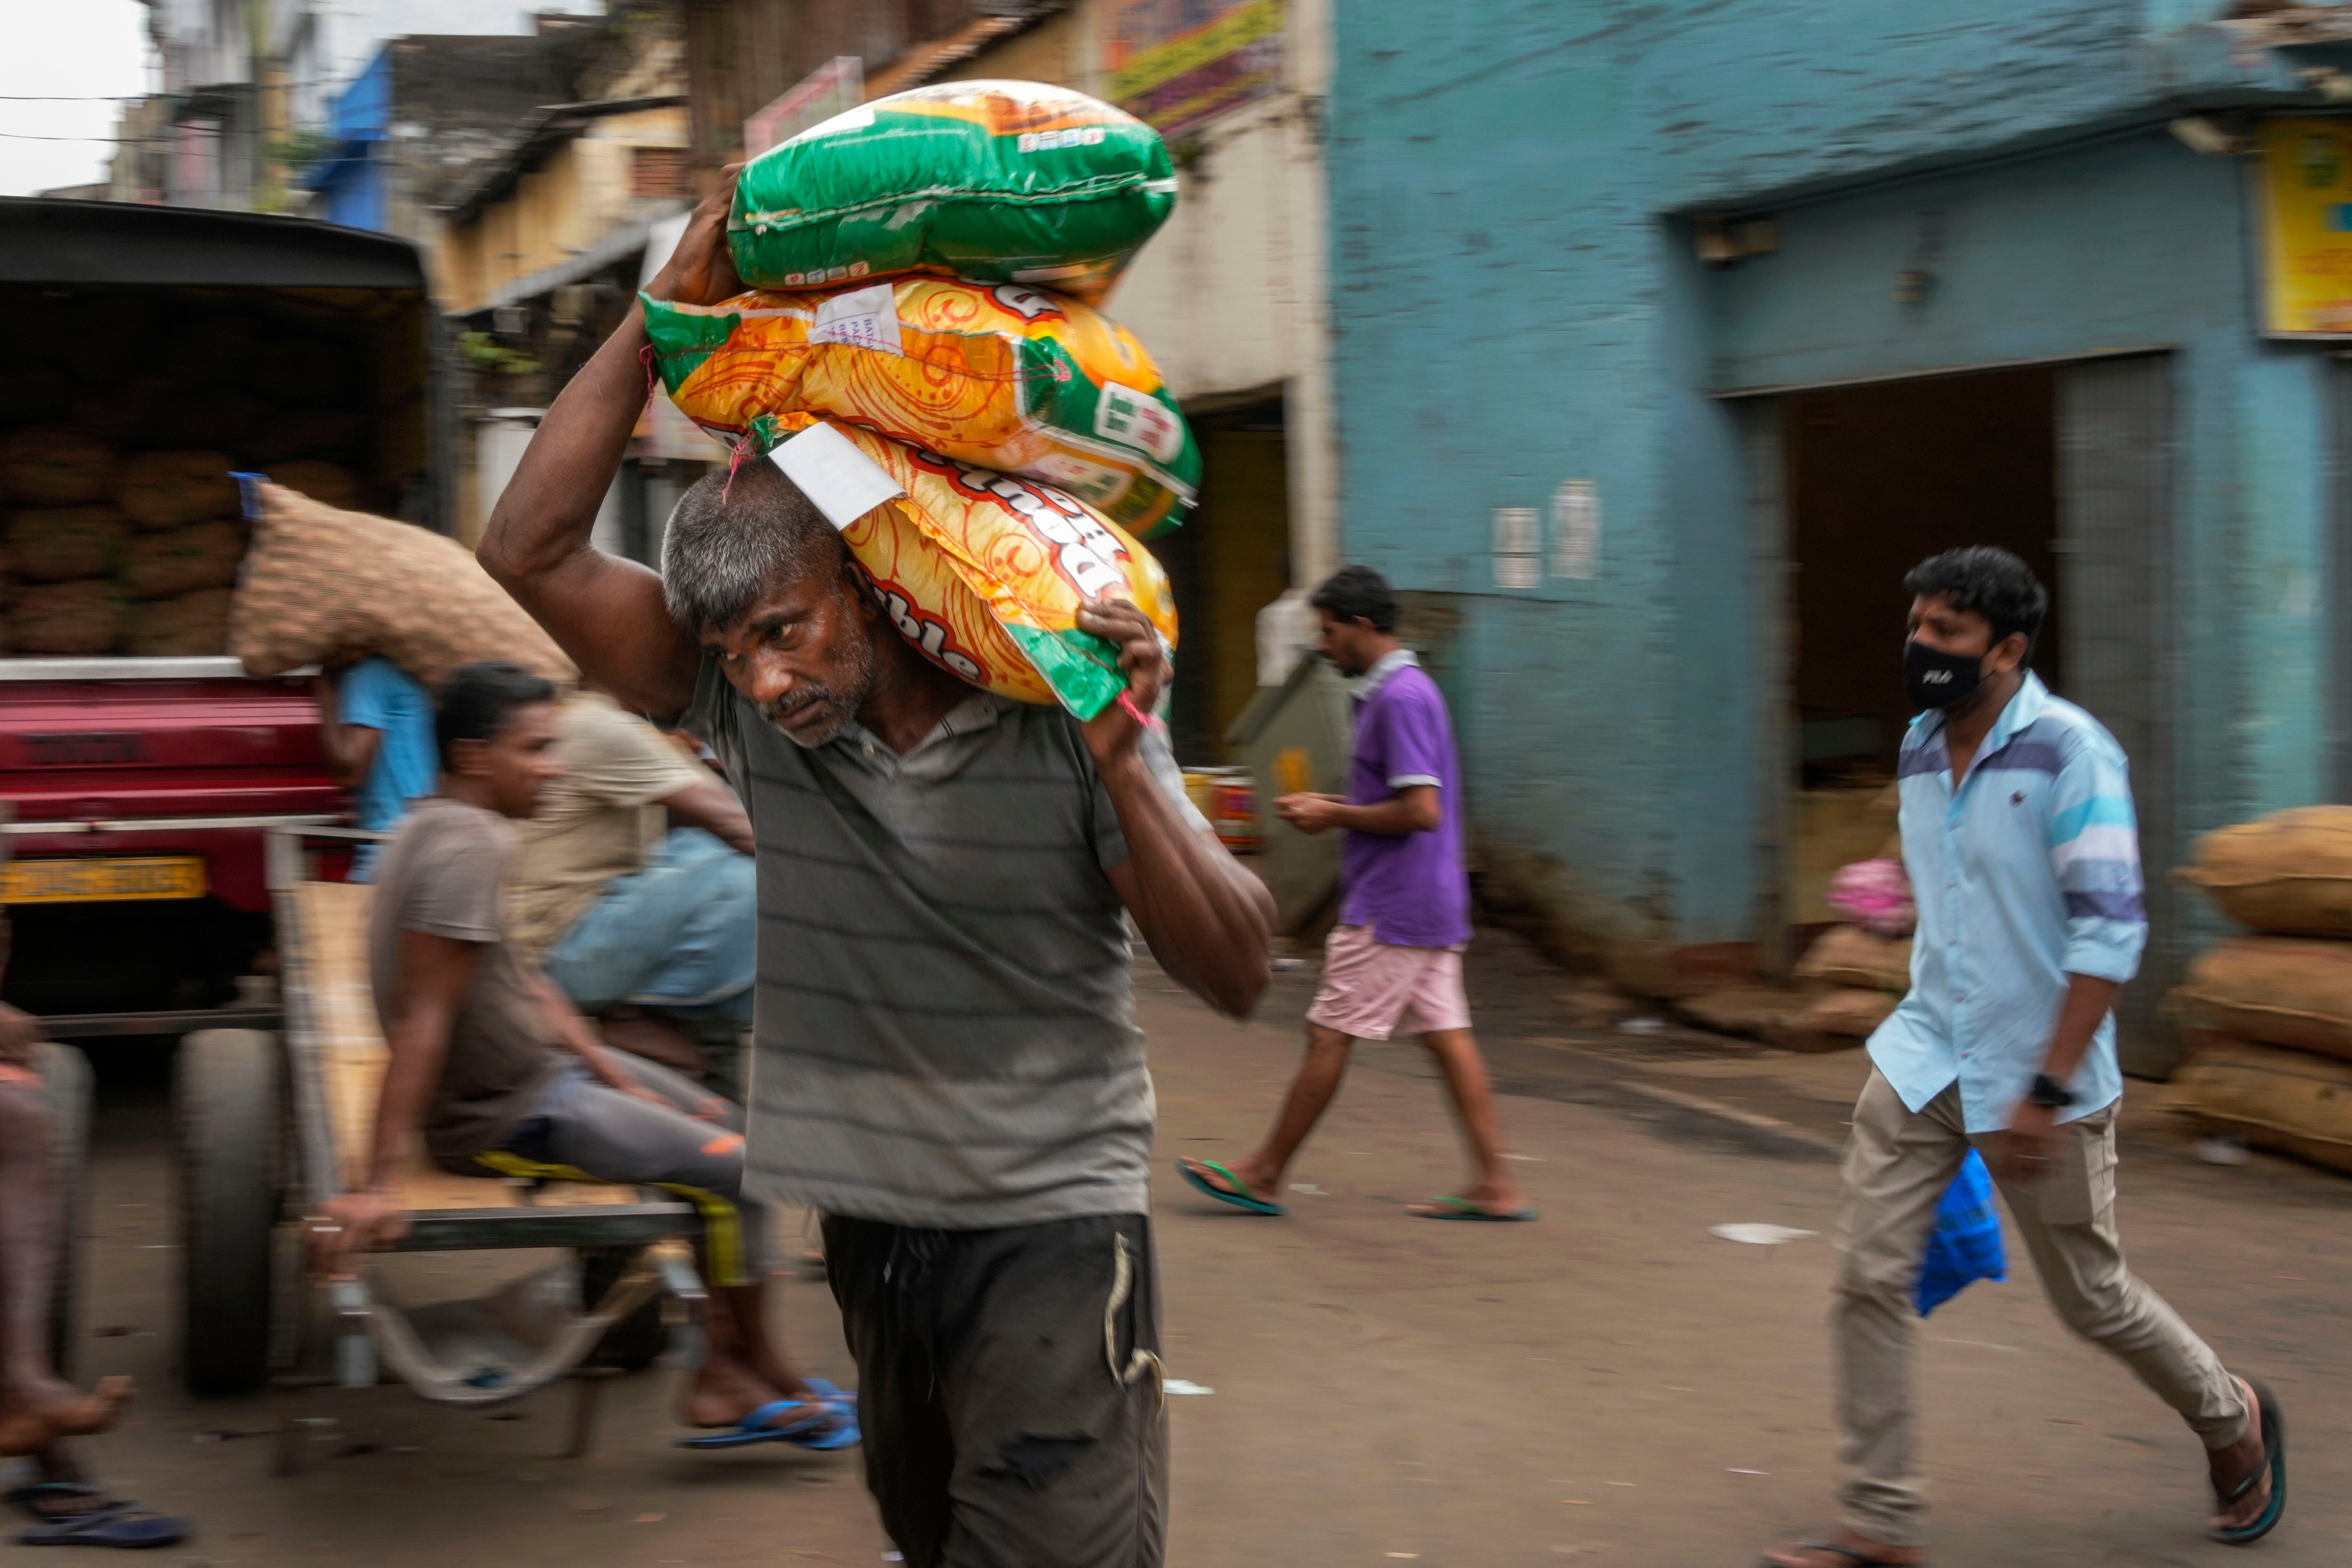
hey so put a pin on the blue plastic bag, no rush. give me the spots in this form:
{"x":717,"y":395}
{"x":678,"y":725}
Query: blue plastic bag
{"x":1965,"y":1246}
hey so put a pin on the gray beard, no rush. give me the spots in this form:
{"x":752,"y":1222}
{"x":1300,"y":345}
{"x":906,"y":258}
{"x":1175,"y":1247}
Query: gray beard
{"x":844,"y":705}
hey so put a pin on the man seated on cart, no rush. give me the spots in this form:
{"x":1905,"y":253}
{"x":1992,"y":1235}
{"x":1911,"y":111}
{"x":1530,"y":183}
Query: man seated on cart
{"x":492,"y":1070}
{"x":634,"y":893}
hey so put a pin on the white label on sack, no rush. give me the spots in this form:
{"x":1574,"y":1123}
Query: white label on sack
{"x":1086,"y":480}
{"x":1137,"y":419}
{"x":863,"y":318}
{"x":844,"y":482}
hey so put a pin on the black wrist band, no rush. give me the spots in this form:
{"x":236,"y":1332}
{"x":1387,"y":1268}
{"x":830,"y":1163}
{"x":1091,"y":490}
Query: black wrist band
{"x":2049,"y":1093}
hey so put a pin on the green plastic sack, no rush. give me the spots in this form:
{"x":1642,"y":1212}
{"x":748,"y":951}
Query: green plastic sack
{"x":998,"y":181}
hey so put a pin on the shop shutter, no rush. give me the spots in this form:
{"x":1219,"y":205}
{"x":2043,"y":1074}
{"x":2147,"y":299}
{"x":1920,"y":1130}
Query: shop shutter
{"x":2115,"y":534}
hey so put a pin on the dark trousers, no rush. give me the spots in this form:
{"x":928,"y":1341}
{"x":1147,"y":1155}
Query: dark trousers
{"x":1010,"y":1391}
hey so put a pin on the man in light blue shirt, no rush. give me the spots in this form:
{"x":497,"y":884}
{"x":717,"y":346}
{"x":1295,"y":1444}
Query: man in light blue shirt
{"x":2023,"y":854}
{"x":375,"y":724}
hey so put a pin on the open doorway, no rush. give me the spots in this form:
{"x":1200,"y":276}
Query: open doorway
{"x":1229,"y":559}
{"x":1878,"y":478}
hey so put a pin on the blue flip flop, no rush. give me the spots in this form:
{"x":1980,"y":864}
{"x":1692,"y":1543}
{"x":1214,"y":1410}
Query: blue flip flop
{"x":120,"y":1523}
{"x":831,"y":1395}
{"x":1240,"y":1199}
{"x":826,"y":1426}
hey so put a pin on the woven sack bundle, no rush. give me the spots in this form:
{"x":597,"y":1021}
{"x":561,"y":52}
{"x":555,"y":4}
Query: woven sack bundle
{"x":320,"y":583}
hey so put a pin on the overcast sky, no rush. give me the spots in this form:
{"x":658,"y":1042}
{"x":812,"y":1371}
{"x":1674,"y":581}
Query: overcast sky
{"x":86,"y":51}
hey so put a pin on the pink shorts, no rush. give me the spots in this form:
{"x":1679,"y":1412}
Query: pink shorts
{"x":1371,"y":990}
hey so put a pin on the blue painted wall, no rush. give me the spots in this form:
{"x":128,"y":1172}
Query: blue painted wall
{"x":1515,"y":303}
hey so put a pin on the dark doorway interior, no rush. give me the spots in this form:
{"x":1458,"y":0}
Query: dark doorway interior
{"x":1229,"y":559}
{"x":1878,"y":478}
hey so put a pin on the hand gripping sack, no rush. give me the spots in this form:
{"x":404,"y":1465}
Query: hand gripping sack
{"x":1002,"y":182}
{"x":998,"y":375}
{"x":318,"y":582}
{"x":981,"y":570}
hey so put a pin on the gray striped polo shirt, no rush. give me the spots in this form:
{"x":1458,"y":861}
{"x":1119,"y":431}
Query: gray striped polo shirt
{"x":945,"y":1032}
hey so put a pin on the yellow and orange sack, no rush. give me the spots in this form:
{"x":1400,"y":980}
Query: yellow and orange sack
{"x":1001,"y":376}
{"x":983,"y":571}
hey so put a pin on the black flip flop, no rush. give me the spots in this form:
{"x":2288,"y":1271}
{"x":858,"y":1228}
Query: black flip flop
{"x":2274,"y":1428}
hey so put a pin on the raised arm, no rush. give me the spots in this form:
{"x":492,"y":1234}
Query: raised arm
{"x":605,"y":612}
{"x":1209,"y":923}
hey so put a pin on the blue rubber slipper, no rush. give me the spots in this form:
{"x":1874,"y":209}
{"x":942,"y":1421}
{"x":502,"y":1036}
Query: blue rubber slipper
{"x":825,"y":1427}
{"x":831,"y":1395}
{"x":1240,"y":1198}
{"x":122,"y":1523}
{"x":2273,"y":1430}
{"x":1462,"y":1208}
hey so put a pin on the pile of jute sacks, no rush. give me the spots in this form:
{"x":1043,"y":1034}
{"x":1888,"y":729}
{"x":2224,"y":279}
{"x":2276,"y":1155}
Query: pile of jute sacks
{"x":2269,"y":1015}
{"x":920,"y":348}
{"x":1857,"y":972}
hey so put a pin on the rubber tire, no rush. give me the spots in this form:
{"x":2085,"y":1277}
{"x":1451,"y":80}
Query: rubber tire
{"x":225,"y":1096}
{"x":65,"y":1080}
{"x":637,"y":1340}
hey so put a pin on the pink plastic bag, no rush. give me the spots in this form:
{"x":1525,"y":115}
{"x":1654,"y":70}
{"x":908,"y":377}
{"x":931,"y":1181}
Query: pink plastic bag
{"x":1876,"y":896}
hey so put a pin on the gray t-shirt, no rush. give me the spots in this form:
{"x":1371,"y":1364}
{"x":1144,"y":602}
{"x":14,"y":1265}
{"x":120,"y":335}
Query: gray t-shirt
{"x":945,"y":1032}
{"x":445,"y":874}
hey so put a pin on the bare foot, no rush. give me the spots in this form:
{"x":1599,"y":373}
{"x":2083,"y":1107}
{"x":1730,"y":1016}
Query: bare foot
{"x":35,"y":1416}
{"x":1256,"y":1180}
{"x":1845,"y":1549}
{"x":2235,"y":1463}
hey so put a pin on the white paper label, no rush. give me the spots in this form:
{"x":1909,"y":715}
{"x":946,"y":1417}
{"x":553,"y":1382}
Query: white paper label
{"x":1088,"y":481}
{"x":1519,"y":562}
{"x":1138,"y":419}
{"x":844,"y":482}
{"x":863,"y":318}
{"x":1576,"y":530}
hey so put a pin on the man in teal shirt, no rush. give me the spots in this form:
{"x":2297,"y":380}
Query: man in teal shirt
{"x":2023,"y":854}
{"x":375,"y":724}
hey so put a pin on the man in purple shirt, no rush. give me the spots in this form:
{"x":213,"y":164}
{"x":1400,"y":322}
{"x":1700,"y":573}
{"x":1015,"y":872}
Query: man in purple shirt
{"x":1394,"y":963}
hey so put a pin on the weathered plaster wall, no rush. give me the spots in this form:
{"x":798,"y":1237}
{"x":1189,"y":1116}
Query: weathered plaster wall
{"x":1516,"y":303}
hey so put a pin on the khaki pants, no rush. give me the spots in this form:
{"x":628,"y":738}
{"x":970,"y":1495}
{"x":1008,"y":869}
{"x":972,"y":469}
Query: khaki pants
{"x":1897,"y":1166}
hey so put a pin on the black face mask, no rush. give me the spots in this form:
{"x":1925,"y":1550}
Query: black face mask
{"x":1935,"y":680}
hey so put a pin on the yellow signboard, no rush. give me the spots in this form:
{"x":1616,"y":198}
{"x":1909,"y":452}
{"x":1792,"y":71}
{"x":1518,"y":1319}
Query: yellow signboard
{"x":102,"y":882}
{"x":1179,"y":64}
{"x":2306,"y":183}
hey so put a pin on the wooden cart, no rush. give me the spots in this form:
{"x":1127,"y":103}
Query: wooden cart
{"x":270,"y":1126}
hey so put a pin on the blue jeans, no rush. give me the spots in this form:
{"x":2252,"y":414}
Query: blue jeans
{"x":681,"y":935}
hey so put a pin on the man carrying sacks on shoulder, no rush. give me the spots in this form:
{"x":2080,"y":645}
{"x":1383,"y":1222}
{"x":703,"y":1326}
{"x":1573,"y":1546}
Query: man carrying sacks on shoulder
{"x":947,"y":1063}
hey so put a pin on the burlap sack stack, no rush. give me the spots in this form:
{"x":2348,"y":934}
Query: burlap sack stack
{"x":120,"y":419}
{"x":1858,"y":974}
{"x":2270,"y":1015}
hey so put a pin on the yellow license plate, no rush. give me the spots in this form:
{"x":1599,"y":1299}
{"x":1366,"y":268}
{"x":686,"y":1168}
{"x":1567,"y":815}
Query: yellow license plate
{"x":102,"y":881}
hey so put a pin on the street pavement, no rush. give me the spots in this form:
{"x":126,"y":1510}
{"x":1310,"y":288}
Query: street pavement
{"x":1613,"y":1382}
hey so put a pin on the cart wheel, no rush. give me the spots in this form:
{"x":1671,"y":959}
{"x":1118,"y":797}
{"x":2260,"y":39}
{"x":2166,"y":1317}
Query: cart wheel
{"x":227,"y":1099}
{"x":64,"y":1078}
{"x":638,"y":1340}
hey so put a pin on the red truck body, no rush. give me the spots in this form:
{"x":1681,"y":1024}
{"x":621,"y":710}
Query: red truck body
{"x":137,"y":793}
{"x":145,"y":766}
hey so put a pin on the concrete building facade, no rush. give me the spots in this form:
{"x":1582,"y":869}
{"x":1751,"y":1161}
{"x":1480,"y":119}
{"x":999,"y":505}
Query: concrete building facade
{"x":1666,"y":340}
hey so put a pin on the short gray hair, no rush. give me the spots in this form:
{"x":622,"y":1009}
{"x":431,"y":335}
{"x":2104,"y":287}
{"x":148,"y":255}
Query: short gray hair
{"x":732,"y":535}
